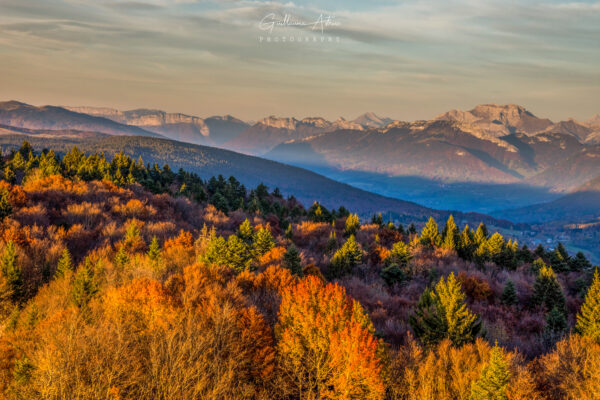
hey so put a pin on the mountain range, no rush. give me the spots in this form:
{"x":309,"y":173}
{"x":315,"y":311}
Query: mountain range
{"x":497,"y":156}
{"x":500,"y":160}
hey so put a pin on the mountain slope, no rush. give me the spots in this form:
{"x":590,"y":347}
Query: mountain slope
{"x":305,"y":185}
{"x":581,"y":205}
{"x":50,"y":133}
{"x":435,"y":150}
{"x":570,"y":172}
{"x":23,"y":115}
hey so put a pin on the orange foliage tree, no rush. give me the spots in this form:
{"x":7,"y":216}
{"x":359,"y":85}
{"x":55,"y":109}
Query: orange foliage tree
{"x":326,"y":345}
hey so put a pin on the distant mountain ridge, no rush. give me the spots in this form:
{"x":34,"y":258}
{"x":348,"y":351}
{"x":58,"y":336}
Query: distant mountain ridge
{"x":21,"y":115}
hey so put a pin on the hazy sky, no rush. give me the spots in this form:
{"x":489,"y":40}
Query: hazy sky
{"x":407,"y":59}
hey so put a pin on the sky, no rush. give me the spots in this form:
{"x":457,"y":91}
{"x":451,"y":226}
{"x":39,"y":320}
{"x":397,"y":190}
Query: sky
{"x":406,"y":60}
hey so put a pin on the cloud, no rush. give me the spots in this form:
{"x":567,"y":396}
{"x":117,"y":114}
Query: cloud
{"x":409,"y":49}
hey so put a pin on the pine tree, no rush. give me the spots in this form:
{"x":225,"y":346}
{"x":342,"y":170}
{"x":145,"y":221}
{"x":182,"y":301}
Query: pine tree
{"x":121,"y":258}
{"x":495,"y":245}
{"x":494,"y":378}
{"x":49,"y":164}
{"x":559,"y":259}
{"x":467,"y":243}
{"x":352,"y":225}
{"x":509,"y":295}
{"x":65,"y":264}
{"x":220,"y":202}
{"x":9,"y":174}
{"x":84,"y":286}
{"x":430,"y":236}
{"x":399,"y":255}
{"x":346,"y":258}
{"x":579,"y":262}
{"x":237,"y":254}
{"x":154,"y":252}
{"x":412,"y":229}
{"x":588,"y":319}
{"x":428,"y":322}
{"x":556,"y":324}
{"x":263,"y":242}
{"x":547,"y":291}
{"x":450,"y":235}
{"x":246,"y":231}
{"x":392,"y":274}
{"x":463,"y":325}
{"x":10,"y":268}
{"x":5,"y":206}
{"x":481,"y":234}
{"x":443,"y":313}
{"x":539,"y":251}
{"x":213,"y":252}
{"x":537,"y":265}
{"x":292,"y":260}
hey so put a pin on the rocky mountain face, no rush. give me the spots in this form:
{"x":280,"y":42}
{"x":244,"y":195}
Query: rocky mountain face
{"x":496,"y":120}
{"x":271,"y":131}
{"x":185,"y":128}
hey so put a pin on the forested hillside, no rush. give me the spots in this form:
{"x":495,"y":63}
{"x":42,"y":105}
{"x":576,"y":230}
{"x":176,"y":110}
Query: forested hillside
{"x":305,"y":185}
{"x":122,"y":280}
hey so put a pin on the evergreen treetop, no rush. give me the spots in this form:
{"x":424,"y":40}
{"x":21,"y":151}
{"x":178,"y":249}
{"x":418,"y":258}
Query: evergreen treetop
{"x":493,"y":381}
{"x":588,"y":319}
{"x":430,"y":235}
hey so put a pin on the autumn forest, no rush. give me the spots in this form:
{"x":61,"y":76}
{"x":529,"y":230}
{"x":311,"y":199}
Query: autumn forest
{"x":125,"y":280}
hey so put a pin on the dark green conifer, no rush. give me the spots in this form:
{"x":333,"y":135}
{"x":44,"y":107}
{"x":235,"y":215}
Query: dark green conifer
{"x":5,"y":205}
{"x":443,"y":313}
{"x":12,"y":285}
{"x":509,"y":294}
{"x":579,"y":263}
{"x":84,"y":286}
{"x":547,"y":292}
{"x":292,"y":260}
